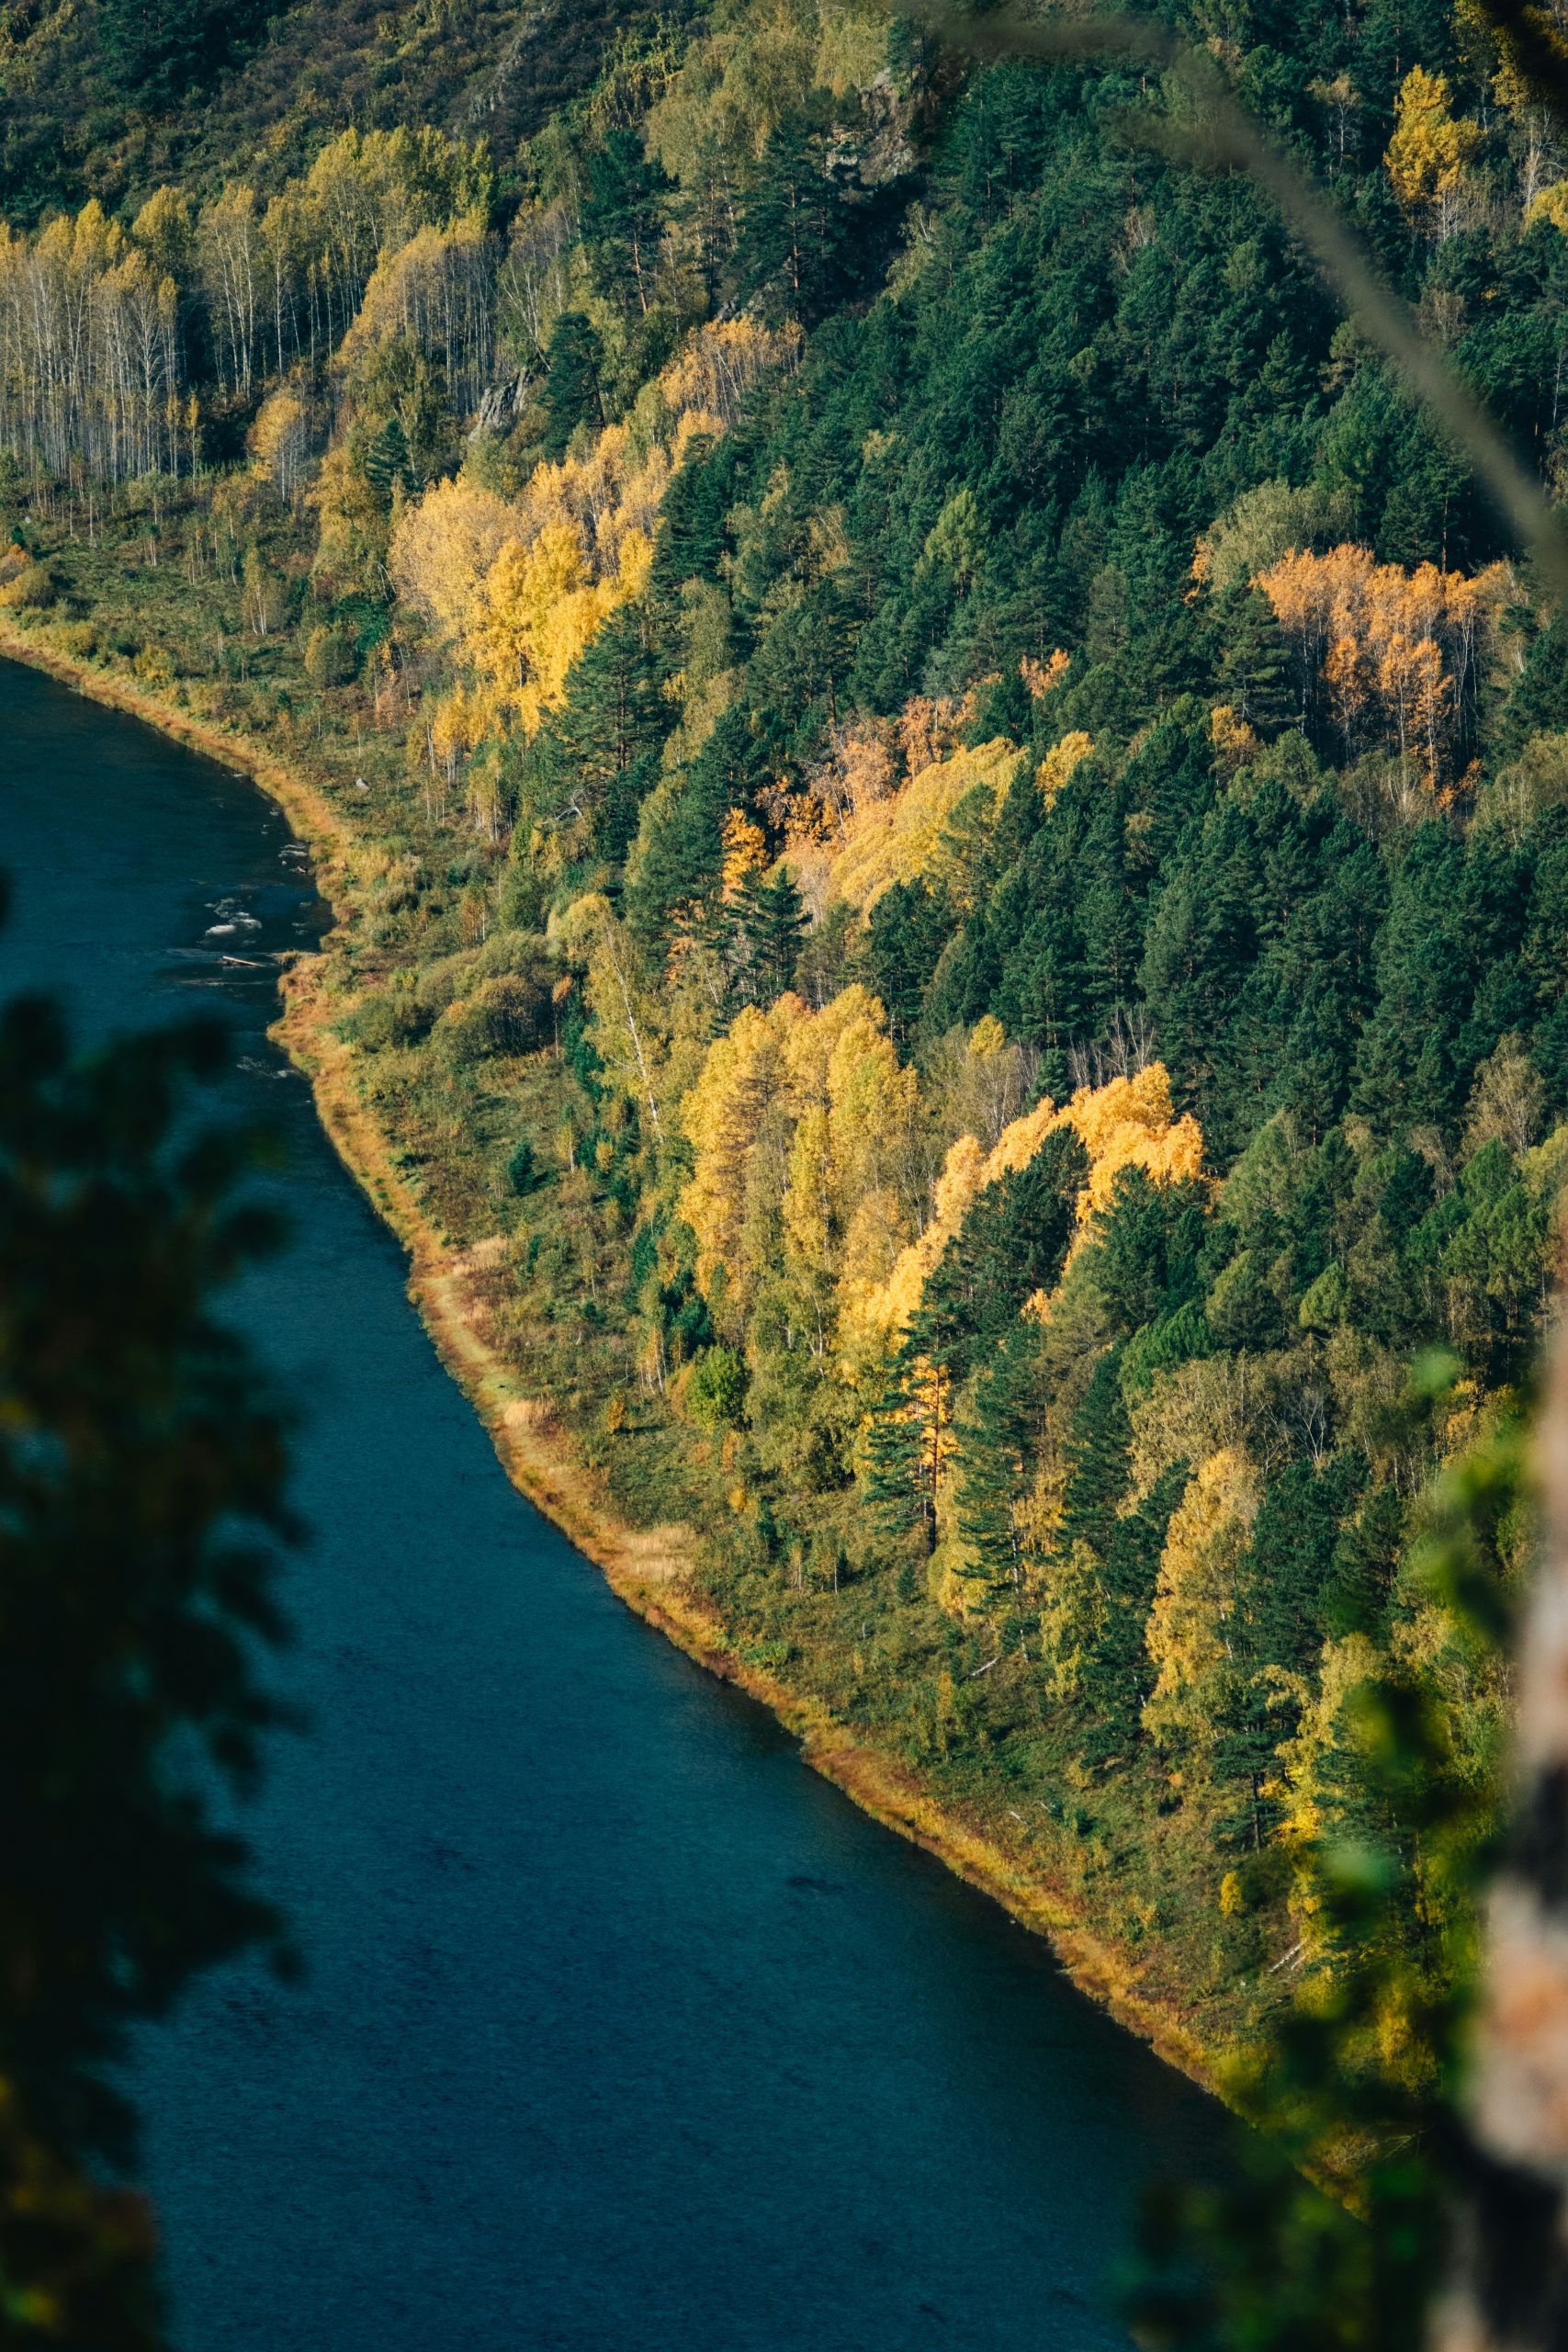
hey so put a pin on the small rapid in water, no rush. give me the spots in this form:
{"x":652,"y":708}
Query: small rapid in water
{"x":620,"y":2030}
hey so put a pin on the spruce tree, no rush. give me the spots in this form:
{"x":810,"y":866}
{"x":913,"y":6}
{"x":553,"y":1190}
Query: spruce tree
{"x":1097,"y":1456}
{"x":997,"y":1442}
{"x":1253,"y":673}
{"x":903,"y":1446}
{"x":908,"y":929}
{"x":1013,"y":1242}
{"x":574,"y":363}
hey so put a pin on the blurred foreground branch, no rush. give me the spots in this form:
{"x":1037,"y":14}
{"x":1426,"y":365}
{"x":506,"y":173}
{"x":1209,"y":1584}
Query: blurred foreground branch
{"x":141,"y":1473}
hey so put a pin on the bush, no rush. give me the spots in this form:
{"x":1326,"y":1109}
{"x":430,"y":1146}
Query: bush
{"x":80,"y":639}
{"x":329,"y":657}
{"x":716,"y":1393}
{"x":393,"y":1018}
{"x":32,"y":588}
{"x":510,"y":1014}
{"x":154,"y":665}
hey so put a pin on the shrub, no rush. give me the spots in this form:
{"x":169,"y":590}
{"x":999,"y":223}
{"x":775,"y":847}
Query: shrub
{"x":154,"y":665}
{"x":329,"y":658}
{"x":716,"y":1393}
{"x":80,"y":639}
{"x":32,"y":588}
{"x":508,"y":1015}
{"x":393,"y":1018}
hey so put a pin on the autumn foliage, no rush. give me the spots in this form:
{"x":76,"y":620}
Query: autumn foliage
{"x":1387,"y":656}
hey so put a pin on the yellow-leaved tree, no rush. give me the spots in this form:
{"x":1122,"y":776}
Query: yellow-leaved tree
{"x":1190,"y":1631}
{"x":1127,"y":1123}
{"x":802,"y":1122}
{"x":1387,"y":655}
{"x":1430,"y":150}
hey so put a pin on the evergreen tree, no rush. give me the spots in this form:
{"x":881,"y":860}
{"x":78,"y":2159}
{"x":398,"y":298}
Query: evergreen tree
{"x":904,"y":1443}
{"x":996,"y":1446}
{"x":1097,"y":1452}
{"x":793,"y":250}
{"x":574,"y":363}
{"x":1013,"y":1242}
{"x":1252,"y":673}
{"x":1276,"y":1626}
{"x":1116,"y":1674}
{"x":623,"y":218}
{"x":1146,"y":1263}
{"x":907,"y":931}
{"x":775,"y":923}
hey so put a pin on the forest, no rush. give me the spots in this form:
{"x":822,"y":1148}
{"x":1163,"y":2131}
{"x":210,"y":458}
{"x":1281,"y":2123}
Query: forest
{"x":962,"y":844}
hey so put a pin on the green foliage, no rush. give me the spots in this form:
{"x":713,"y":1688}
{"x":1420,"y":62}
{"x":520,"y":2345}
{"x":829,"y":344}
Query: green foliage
{"x":1359,"y":2082}
{"x":574,"y":363}
{"x":141,"y":1471}
{"x":716,"y":1393}
{"x":522,"y":1170}
{"x":329,"y":659}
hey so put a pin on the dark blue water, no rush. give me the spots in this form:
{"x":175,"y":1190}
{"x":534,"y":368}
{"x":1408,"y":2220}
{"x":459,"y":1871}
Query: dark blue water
{"x":622,"y":2031}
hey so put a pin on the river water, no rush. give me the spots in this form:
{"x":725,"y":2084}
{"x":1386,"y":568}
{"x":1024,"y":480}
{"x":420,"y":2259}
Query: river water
{"x":621,"y":2032}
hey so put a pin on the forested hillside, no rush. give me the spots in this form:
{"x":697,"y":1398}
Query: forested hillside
{"x":964,"y":830}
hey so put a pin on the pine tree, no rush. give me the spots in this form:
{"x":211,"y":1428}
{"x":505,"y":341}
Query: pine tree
{"x":795,"y":224}
{"x":998,"y":1443}
{"x":1012,"y":1243}
{"x":623,"y":218}
{"x":574,"y":362}
{"x":904,"y":1443}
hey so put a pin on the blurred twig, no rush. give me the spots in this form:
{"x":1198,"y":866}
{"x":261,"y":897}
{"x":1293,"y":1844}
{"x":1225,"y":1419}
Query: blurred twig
{"x":1231,"y":136}
{"x":1534,"y":48}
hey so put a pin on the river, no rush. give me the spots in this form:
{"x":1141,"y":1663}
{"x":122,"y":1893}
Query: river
{"x":621,"y":2032}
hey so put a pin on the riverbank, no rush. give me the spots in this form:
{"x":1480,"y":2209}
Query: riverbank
{"x":646,"y":1567}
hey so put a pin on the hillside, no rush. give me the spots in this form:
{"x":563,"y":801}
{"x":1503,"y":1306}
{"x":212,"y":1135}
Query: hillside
{"x":963,"y":838}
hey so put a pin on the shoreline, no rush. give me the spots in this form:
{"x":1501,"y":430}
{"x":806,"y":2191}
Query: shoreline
{"x":643,"y":1568}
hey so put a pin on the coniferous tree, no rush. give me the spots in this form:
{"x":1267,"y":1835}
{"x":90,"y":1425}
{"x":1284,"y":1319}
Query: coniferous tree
{"x":1116,"y":1674}
{"x":908,"y":929}
{"x":623,"y":218}
{"x":998,"y":1444}
{"x":905,"y":1441}
{"x":1277,"y":1628}
{"x":574,"y":366}
{"x":1097,"y":1452}
{"x":796,"y":223}
{"x":1253,"y":672}
{"x":1013,"y":1242}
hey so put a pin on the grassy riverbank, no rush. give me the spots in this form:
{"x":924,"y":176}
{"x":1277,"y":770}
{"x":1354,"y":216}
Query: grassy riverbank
{"x":541,"y":1430}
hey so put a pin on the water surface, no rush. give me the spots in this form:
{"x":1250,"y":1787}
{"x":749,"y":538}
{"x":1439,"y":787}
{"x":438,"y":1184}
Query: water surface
{"x":621,"y":2032}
